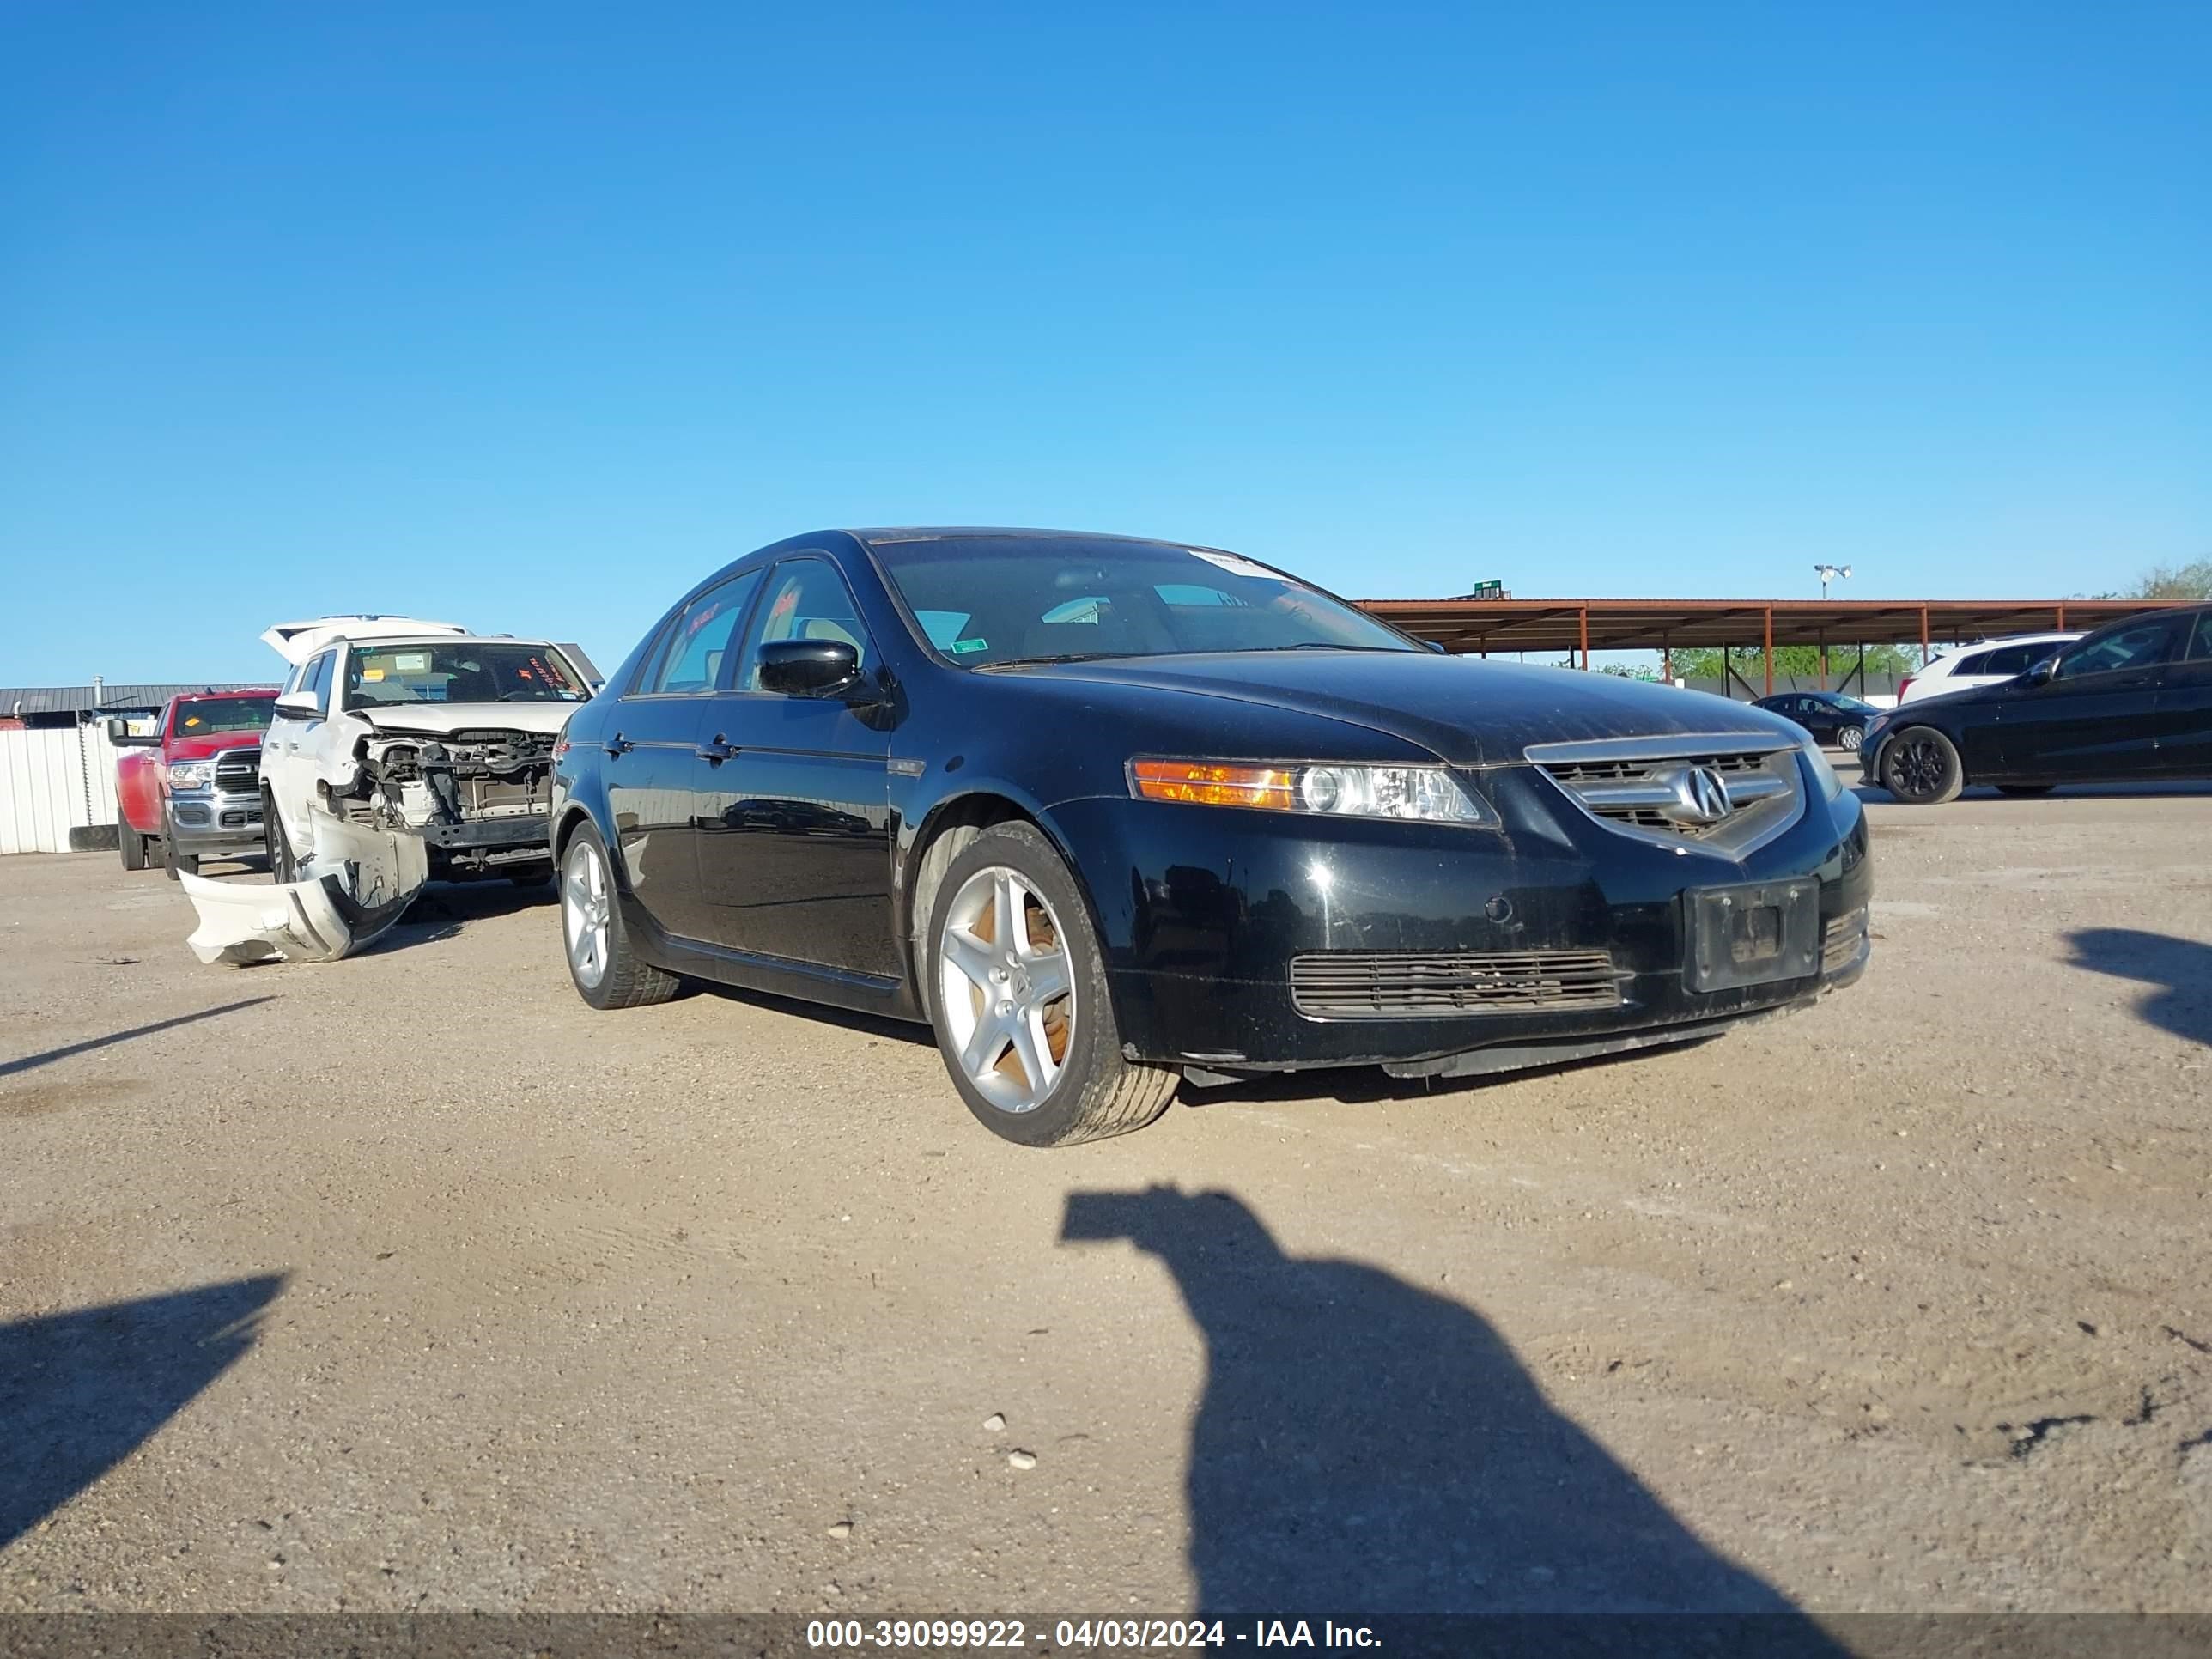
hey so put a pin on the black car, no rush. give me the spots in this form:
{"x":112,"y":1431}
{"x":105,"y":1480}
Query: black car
{"x":1104,"y":813}
{"x":1828,"y":715}
{"x":2130,"y":703}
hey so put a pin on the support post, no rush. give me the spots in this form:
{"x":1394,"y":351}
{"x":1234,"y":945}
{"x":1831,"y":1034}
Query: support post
{"x":2062,"y":619}
{"x":1585,"y":634}
{"x":1770,"y":650}
{"x":1824,"y":662}
{"x":1667,"y":660}
{"x":1923,"y":636}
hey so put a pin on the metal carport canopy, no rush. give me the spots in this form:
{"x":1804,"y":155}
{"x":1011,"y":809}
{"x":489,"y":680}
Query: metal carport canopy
{"x":1586,"y":625}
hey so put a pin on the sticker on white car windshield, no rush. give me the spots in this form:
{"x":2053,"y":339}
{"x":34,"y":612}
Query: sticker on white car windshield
{"x":1235,"y":565}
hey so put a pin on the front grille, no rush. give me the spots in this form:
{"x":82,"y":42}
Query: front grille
{"x":238,"y":772}
{"x":1841,"y":938}
{"x":1728,"y":793}
{"x":1382,"y":984}
{"x":242,"y":817}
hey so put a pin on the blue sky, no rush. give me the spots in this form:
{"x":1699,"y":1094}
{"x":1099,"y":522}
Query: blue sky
{"x":526,"y":317}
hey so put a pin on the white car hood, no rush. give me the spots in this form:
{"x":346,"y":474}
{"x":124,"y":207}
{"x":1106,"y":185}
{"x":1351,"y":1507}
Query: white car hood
{"x":442,"y":720}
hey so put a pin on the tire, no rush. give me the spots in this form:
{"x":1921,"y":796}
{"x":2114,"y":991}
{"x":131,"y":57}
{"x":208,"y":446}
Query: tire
{"x":997,"y":1057}
{"x":2025,"y":789}
{"x":1920,"y":766}
{"x":603,"y":960}
{"x":1850,"y":738}
{"x":133,"y":847}
{"x":282,"y":865}
{"x":174,"y":863}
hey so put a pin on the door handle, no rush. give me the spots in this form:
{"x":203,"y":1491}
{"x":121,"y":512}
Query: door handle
{"x":718,"y":751}
{"x":617,"y":744}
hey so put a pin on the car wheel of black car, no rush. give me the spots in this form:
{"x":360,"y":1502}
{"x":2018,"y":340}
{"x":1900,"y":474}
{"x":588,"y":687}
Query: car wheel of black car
{"x":1019,"y":1002}
{"x":133,"y":846}
{"x":1921,"y":766}
{"x":1851,"y":737}
{"x":2025,"y":788}
{"x":602,"y":961}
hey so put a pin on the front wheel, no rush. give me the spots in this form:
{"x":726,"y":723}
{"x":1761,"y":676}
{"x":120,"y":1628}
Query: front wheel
{"x":602,"y":961}
{"x":282,"y":865}
{"x":1019,"y":999}
{"x":1921,"y":766}
{"x":174,"y":863}
{"x":1851,"y":737}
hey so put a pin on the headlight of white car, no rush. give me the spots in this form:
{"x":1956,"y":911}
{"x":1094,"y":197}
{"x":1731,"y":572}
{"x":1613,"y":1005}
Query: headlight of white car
{"x":1426,"y":794}
{"x":191,"y":774}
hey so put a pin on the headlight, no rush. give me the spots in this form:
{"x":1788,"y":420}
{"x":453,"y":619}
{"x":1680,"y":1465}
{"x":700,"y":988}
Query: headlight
{"x":1427,"y":794}
{"x":191,"y":774}
{"x":1831,"y":785}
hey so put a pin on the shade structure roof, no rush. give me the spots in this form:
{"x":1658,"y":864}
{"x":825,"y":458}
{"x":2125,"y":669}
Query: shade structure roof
{"x":1504,"y":625}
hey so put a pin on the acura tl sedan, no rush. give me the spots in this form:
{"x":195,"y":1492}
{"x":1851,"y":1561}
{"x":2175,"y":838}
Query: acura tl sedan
{"x":1107,"y":813}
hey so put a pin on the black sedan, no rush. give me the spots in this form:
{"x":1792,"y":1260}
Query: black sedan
{"x":1830,"y":716}
{"x":1107,"y":812}
{"x":2130,"y":703}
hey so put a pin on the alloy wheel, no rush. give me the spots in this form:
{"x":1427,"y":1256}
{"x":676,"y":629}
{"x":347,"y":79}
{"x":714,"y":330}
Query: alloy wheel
{"x":585,"y":905}
{"x":1005,"y":988}
{"x":1851,"y":737}
{"x":1917,"y":766}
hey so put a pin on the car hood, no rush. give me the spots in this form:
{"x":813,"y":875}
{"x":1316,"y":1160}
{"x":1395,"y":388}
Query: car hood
{"x":216,"y":743}
{"x":1462,"y":709}
{"x":442,"y":720}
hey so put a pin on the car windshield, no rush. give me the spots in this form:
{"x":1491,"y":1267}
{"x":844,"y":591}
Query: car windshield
{"x":1849,"y":705}
{"x":380,"y":675}
{"x":207,"y":717}
{"x":985,"y":601}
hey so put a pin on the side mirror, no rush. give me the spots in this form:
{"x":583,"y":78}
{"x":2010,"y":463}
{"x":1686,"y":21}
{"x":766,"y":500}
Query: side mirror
{"x":120,"y":735}
{"x":2041,"y":673}
{"x":300,"y":706}
{"x":1437,"y":646}
{"x":808,"y":668}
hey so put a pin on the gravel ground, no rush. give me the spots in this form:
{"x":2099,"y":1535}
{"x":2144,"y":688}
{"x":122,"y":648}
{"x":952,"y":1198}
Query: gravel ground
{"x":408,"y":1282}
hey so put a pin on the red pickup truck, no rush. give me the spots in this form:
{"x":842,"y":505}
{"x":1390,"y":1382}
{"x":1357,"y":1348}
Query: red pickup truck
{"x":193,"y":784}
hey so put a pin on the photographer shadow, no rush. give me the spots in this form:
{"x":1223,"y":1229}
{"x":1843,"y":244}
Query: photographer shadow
{"x":1364,"y":1446}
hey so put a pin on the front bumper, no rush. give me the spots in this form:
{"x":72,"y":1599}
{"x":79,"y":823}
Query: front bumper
{"x":202,"y":821}
{"x":1204,"y":910}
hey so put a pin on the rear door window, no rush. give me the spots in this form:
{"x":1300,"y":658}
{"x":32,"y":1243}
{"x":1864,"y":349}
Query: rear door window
{"x":2201,"y":649}
{"x":1971,"y":663}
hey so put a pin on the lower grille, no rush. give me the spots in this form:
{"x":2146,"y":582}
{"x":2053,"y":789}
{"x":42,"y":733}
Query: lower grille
{"x":1840,"y":940}
{"x":1389,"y":984}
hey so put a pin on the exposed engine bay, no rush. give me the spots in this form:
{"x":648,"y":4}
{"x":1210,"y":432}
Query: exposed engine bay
{"x":458,"y":793}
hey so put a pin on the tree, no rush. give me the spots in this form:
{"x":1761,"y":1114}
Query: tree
{"x":2178,"y":583}
{"x":1797,"y":662}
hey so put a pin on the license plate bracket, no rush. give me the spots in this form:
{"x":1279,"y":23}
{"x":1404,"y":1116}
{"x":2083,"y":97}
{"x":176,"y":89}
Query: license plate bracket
{"x":1755,"y":934}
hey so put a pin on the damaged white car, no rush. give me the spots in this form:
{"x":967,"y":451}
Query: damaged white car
{"x":402,"y":751}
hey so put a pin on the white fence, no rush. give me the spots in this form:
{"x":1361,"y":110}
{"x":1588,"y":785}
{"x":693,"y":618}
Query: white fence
{"x":51,"y":782}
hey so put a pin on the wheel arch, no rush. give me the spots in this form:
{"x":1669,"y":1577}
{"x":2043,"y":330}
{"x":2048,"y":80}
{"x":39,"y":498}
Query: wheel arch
{"x":944,"y":832}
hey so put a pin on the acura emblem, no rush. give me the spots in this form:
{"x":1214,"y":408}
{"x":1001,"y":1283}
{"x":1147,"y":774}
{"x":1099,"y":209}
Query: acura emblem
{"x":1705,"y":794}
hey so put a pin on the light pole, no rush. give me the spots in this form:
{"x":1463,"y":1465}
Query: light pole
{"x":1828,"y":573}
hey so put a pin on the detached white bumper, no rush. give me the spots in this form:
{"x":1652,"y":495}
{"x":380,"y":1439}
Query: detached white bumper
{"x":358,"y":884}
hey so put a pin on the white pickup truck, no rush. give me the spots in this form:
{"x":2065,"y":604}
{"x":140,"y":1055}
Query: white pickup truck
{"x":401,"y":751}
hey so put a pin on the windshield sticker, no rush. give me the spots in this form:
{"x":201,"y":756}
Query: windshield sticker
{"x":1235,"y":565}
{"x":191,"y":721}
{"x":963,"y":647}
{"x":372,"y":673}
